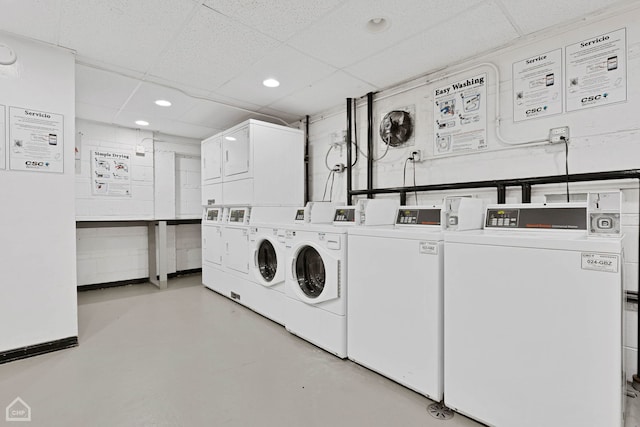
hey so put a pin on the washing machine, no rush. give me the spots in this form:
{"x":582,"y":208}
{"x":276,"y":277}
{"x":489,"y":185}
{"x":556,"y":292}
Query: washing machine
{"x":533,"y":318}
{"x":395,"y":295}
{"x":213,"y":276}
{"x":316,"y":283}
{"x":235,"y":256}
{"x":267,"y":261}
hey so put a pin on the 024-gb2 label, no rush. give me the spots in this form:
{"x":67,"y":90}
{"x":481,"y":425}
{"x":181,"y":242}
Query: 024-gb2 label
{"x":430,"y":248}
{"x":600,"y":262}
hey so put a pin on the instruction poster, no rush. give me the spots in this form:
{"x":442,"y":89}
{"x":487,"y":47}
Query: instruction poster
{"x":36,"y":140}
{"x":110,"y":173}
{"x":537,"y":86}
{"x":3,"y":136}
{"x":597,"y":71}
{"x":460,"y":116}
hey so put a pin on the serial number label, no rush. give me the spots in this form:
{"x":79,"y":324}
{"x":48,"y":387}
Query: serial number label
{"x":600,"y":262}
{"x":430,"y":248}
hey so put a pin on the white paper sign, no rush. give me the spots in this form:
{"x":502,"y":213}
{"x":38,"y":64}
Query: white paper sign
{"x":3,"y":136}
{"x":460,"y":116}
{"x":110,"y":173}
{"x":600,"y":262}
{"x":537,"y":87}
{"x":597,"y":71}
{"x":36,"y":140}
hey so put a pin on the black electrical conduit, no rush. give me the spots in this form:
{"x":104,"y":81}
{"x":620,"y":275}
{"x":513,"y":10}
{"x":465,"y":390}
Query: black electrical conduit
{"x":348,"y":140}
{"x":369,"y":145}
{"x":306,"y":161}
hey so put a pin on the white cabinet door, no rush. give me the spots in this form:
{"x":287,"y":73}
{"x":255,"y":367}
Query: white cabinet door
{"x":236,"y":251}
{"x":212,"y":244}
{"x":237,"y":153}
{"x":211,"y":159}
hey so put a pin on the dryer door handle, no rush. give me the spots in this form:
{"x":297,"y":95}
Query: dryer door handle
{"x":293,"y":268}
{"x":255,"y":258}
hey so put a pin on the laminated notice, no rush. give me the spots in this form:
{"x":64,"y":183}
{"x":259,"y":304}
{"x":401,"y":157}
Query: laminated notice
{"x":600,"y":262}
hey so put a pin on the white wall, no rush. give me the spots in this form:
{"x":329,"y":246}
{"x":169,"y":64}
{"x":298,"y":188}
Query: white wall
{"x":602,"y":139}
{"x":163,"y":186}
{"x":97,"y":136}
{"x":38,"y":270}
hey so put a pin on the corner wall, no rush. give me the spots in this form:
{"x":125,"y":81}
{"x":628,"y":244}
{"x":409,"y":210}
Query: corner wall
{"x":38,"y":301}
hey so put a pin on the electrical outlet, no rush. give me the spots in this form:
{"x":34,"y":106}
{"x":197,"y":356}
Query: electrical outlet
{"x":339,"y":167}
{"x":559,"y":134}
{"x":416,"y":155}
{"x":339,"y":138}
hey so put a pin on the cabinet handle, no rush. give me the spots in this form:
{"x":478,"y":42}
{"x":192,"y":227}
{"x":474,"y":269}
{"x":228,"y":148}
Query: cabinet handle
{"x":226,"y":154}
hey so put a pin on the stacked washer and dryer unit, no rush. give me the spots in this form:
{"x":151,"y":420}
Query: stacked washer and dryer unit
{"x":533,"y":316}
{"x":247,"y":195}
{"x":316,"y":283}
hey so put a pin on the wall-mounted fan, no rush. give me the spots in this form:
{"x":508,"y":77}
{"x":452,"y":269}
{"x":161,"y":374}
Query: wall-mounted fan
{"x":396,"y":128}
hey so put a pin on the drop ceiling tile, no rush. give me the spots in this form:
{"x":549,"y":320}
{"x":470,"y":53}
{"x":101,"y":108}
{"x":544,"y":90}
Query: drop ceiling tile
{"x":279,"y":19}
{"x":341,"y":39}
{"x":417,"y":56}
{"x":214,"y":115}
{"x":171,"y":127}
{"x":293,"y":69}
{"x":143,"y":100}
{"x":536,"y":15}
{"x":322,"y":95}
{"x":96,"y":113}
{"x":127,"y":33}
{"x":211,"y":50}
{"x":37,"y":19}
{"x":102,"y":88}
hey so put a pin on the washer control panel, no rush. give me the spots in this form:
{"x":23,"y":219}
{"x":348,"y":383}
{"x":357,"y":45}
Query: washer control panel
{"x":537,"y":217}
{"x":345,"y":215}
{"x":419,"y":216}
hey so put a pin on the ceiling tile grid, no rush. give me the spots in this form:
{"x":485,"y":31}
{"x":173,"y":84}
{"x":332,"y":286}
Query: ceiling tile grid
{"x":465,"y":36}
{"x":212,"y":50}
{"x":341,"y":38}
{"x":293,"y":69}
{"x":126,"y":33}
{"x":38,"y":19}
{"x":279,"y":19}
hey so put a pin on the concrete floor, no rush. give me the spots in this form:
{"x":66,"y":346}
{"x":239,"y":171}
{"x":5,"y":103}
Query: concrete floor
{"x":187,"y":356}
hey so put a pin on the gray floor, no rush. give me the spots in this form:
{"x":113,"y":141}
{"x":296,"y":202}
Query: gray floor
{"x":188,"y":357}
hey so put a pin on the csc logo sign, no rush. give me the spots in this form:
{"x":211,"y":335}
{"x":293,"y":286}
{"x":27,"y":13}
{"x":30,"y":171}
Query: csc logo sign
{"x":593,"y":98}
{"x":537,"y":110}
{"x":31,"y":164}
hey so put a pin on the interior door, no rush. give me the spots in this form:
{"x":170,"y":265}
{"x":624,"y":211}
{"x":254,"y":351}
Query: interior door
{"x":211,"y":244}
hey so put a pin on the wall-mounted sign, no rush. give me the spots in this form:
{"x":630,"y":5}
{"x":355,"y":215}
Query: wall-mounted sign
{"x":460,"y":116}
{"x":36,"y":140}
{"x":110,"y":173}
{"x":537,"y":86}
{"x":597,"y":71}
{"x":3,"y":136}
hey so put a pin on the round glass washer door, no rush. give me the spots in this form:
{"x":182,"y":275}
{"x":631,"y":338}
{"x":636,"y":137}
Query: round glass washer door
{"x":310,"y":272}
{"x":267,"y":260}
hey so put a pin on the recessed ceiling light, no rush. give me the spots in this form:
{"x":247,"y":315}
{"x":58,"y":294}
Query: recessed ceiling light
{"x":229,"y":138}
{"x":163,"y":103}
{"x":142,"y":123}
{"x":7,"y":55}
{"x":271,"y":83}
{"x":377,"y":25}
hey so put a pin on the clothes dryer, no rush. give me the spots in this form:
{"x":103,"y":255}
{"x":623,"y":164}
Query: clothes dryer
{"x":213,"y":222}
{"x":533,"y":319}
{"x":395,"y":294}
{"x":235,"y":258}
